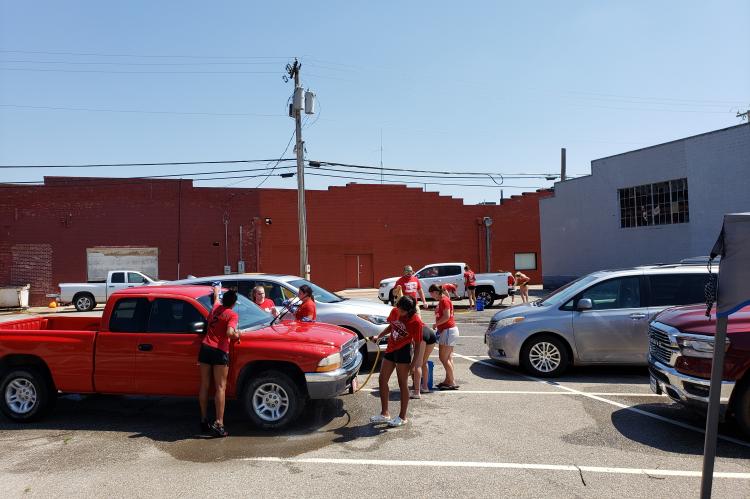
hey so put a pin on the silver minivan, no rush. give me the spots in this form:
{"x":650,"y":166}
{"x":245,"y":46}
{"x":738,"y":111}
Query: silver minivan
{"x":601,"y":318}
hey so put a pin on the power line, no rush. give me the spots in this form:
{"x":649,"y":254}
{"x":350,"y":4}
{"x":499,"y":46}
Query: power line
{"x":171,"y":163}
{"x":274,"y":166}
{"x":44,"y":70}
{"x":110,"y":63}
{"x":136,"y":111}
{"x":378,"y":168}
{"x":173,"y":56}
{"x":426,"y":183}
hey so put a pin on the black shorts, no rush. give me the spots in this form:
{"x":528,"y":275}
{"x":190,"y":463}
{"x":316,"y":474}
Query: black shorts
{"x":213,"y":356}
{"x":471,"y":287}
{"x":400,"y":356}
{"x":428,"y":335}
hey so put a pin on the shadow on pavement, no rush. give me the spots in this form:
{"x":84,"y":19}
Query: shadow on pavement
{"x":670,"y":438}
{"x":632,"y":375}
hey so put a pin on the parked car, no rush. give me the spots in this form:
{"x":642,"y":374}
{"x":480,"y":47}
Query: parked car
{"x":365,"y":318}
{"x":490,"y":286}
{"x":85,"y":296}
{"x":601,"y":318}
{"x":681,"y":346}
{"x":147,"y":342}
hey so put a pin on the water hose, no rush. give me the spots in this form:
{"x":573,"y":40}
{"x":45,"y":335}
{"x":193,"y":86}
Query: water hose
{"x":372,"y":369}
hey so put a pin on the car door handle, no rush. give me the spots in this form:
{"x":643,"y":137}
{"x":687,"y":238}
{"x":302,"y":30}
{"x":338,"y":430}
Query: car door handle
{"x":637,"y":316}
{"x":145,"y":347}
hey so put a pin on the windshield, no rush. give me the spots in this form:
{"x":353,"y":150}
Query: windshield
{"x":250,"y":314}
{"x":321,"y":295}
{"x":581,"y":280}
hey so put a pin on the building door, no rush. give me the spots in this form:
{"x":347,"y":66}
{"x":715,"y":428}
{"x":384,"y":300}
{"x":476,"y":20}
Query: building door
{"x":359,"y":271}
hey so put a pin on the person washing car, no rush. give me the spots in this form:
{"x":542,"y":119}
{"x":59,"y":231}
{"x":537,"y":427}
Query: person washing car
{"x":405,"y":330}
{"x":306,"y":311}
{"x":213,"y":358}
{"x":470,"y":281}
{"x":447,"y":335}
{"x":265,"y":304}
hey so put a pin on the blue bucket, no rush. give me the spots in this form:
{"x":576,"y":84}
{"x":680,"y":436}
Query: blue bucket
{"x":480,"y":305}
{"x":430,"y":368}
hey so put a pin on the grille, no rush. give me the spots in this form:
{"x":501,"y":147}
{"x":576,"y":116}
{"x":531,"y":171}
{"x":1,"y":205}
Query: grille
{"x":349,"y":352}
{"x":660,"y":346}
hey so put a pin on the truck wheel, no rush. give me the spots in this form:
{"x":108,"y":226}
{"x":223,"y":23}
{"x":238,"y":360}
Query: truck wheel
{"x":272,"y":400}
{"x":84,"y":302}
{"x":25,"y":395}
{"x":544,"y":356}
{"x":742,"y":409}
{"x":487,"y":296}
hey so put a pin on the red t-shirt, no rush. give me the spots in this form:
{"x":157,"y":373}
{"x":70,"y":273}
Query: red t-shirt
{"x":219,"y":320}
{"x":469,"y":278}
{"x":410,"y":286}
{"x":443,"y":305}
{"x":266,"y":305}
{"x":449,"y":288}
{"x":403,"y":333}
{"x":306,"y":312}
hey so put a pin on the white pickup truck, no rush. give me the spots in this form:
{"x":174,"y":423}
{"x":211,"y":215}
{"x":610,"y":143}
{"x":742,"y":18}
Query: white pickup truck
{"x":86,"y":295}
{"x":490,"y":286}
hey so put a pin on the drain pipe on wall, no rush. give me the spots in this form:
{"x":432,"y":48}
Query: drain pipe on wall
{"x":487,"y":221}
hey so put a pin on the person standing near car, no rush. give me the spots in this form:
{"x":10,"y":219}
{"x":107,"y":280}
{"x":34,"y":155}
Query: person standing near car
{"x":405,"y":330}
{"x":470,"y":281}
{"x":447,"y":335}
{"x":213,"y":358}
{"x":410,"y":286}
{"x":306,"y":311}
{"x":450,"y":289}
{"x":522,"y":281}
{"x":266,"y":304}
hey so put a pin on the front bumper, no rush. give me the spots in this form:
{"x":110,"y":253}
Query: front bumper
{"x":685,"y":389}
{"x":333,"y":383}
{"x":502,"y":350}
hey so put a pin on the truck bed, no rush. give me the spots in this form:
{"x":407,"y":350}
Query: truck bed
{"x":53,"y":323}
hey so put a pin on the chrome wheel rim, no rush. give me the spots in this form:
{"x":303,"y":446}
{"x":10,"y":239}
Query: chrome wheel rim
{"x":83,"y":302}
{"x":545,"y":357}
{"x":21,"y":396}
{"x":270,"y":402}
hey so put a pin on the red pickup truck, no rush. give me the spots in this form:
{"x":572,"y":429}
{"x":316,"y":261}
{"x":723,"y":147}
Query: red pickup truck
{"x":146,"y":343}
{"x":681,"y":346}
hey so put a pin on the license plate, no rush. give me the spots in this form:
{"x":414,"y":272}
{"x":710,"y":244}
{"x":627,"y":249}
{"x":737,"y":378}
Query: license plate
{"x":655,"y":385}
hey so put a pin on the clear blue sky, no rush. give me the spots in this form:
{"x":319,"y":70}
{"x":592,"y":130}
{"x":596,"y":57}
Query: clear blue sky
{"x":481,"y":86}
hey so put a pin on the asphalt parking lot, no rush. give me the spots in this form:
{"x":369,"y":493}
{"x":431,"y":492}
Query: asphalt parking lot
{"x":593,"y":433}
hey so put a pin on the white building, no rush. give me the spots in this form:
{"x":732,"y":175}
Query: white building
{"x":657,"y":204}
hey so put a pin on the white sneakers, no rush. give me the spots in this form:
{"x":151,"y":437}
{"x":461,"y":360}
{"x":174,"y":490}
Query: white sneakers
{"x":392,"y":423}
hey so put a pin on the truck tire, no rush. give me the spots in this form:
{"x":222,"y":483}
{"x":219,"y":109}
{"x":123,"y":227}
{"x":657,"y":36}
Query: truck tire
{"x":545,"y":356}
{"x":84,"y":302}
{"x":742,"y":408}
{"x":486,"y":295}
{"x":25,"y":394}
{"x":272,"y":400}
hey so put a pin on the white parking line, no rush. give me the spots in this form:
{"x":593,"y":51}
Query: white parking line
{"x":496,"y":465}
{"x":606,"y":401}
{"x":530,"y":392}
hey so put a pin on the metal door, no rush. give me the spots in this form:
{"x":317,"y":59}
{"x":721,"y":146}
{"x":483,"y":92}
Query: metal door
{"x":359,"y":271}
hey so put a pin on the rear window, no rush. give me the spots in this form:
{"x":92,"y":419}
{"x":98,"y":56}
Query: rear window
{"x":450,"y":270}
{"x":118,"y":277}
{"x":677,"y":289}
{"x":129,"y":315}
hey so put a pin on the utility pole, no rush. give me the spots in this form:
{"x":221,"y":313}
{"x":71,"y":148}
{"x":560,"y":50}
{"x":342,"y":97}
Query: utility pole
{"x":562,"y":165}
{"x":297,"y":106}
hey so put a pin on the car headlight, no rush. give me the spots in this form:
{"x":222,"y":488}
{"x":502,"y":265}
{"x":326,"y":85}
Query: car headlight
{"x":375,"y":319}
{"x":697,"y":346}
{"x":508,"y":322}
{"x":383,"y":284}
{"x":330,"y":363}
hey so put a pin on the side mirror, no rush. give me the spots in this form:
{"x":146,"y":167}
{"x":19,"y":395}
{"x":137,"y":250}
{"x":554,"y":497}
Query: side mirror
{"x":198,"y":327}
{"x":584,"y":304}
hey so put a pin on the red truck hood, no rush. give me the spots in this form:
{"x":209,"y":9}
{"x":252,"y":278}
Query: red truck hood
{"x":692,"y":319}
{"x":306,"y":332}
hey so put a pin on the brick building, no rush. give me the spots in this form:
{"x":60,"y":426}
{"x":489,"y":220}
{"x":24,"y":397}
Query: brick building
{"x":357,"y":234}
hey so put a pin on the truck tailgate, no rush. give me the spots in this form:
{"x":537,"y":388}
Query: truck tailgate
{"x":68,"y":354}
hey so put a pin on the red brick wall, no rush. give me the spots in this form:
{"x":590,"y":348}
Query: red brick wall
{"x":46,"y":229}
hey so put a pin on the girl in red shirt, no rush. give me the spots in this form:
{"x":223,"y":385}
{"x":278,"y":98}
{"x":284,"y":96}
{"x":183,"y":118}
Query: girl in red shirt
{"x":306,"y":311}
{"x":259,"y":298}
{"x":470,"y":281}
{"x":447,"y":334}
{"x":405,"y":329}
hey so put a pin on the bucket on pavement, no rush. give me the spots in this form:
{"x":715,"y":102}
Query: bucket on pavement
{"x":430,"y":368}
{"x":480,"y":305}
